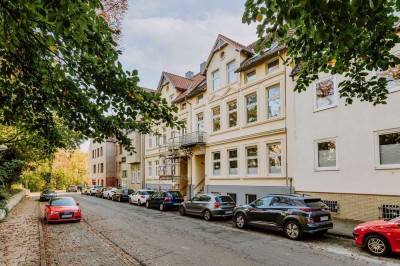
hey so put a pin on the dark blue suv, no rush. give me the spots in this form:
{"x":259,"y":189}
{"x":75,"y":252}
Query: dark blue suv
{"x":165,"y":200}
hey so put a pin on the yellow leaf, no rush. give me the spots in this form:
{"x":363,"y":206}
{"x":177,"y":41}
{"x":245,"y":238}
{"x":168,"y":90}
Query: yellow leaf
{"x":138,"y":97}
{"x":259,"y":17}
{"x":332,"y":61}
{"x":53,"y":48}
{"x":291,"y":64}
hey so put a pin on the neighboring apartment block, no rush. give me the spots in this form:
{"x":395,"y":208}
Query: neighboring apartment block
{"x":235,"y":139}
{"x":347,"y":155}
{"x":102,"y":169}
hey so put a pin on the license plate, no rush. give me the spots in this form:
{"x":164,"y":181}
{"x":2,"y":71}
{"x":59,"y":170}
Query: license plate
{"x":177,"y":204}
{"x":228,"y":212}
{"x":67,"y":216}
{"x":324,"y":218}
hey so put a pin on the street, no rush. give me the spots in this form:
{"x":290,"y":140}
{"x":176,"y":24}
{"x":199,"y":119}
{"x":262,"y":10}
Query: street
{"x":113,"y":233}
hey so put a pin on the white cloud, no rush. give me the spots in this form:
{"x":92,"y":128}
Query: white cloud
{"x":176,"y":44}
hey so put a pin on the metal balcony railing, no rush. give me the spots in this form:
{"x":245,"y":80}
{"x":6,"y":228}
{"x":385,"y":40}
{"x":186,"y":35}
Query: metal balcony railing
{"x":194,"y":138}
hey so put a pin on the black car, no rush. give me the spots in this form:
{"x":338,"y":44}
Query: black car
{"x":165,"y":200}
{"x":291,"y":213}
{"x":122,"y":194}
{"x":47,"y":194}
{"x":99,"y":192}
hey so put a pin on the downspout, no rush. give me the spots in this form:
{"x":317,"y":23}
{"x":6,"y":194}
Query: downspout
{"x":191,"y":159}
{"x":142,"y":166}
{"x":288,"y":180}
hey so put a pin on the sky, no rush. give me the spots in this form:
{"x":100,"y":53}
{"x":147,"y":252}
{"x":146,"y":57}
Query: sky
{"x":177,"y":35}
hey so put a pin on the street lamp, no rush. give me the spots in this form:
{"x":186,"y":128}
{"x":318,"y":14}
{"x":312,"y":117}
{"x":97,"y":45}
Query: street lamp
{"x":3,"y":147}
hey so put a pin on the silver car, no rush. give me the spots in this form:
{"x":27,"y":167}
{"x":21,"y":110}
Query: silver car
{"x":209,"y":206}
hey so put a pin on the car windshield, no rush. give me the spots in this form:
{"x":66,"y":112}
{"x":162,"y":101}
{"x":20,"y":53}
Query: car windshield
{"x":63,"y":202}
{"x":317,"y":203}
{"x":175,"y":193}
{"x":48,"y":191}
{"x":223,"y":199}
{"x":146,"y":192}
{"x":395,"y":220}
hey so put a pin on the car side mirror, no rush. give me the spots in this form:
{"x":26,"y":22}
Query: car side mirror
{"x":77,"y":204}
{"x":252,"y":205}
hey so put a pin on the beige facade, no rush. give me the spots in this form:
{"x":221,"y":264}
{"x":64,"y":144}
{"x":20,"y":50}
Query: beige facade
{"x":235,"y":139}
{"x":102,"y":169}
{"x":348,"y":155}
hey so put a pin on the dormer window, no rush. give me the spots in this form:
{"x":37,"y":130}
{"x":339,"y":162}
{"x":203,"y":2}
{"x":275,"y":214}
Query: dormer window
{"x":250,"y":76}
{"x":273,"y":66}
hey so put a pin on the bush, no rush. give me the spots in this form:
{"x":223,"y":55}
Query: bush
{"x":6,"y":193}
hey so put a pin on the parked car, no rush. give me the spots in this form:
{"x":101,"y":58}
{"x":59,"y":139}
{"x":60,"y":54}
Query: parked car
{"x":79,"y":187}
{"x":62,"y":209}
{"x":72,"y":189}
{"x":47,"y":194}
{"x":140,"y":196}
{"x":99,"y":192}
{"x":208,"y":206}
{"x":122,"y":194}
{"x":86,"y":191}
{"x":291,"y":213}
{"x":165,"y":200}
{"x":379,"y":237}
{"x":93,"y":189}
{"x":107,"y":194}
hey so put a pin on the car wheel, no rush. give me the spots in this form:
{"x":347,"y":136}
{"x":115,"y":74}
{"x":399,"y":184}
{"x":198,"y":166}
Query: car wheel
{"x":182,"y":211}
{"x":147,"y":205}
{"x":162,"y":207}
{"x":377,"y":245}
{"x":139,"y":203}
{"x":240,"y":221}
{"x":207,"y":215}
{"x":119,"y":199}
{"x":293,"y":230}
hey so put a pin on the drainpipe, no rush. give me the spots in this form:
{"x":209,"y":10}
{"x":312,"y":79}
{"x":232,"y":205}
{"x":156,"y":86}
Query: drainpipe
{"x":142,"y":166}
{"x":191,"y":159}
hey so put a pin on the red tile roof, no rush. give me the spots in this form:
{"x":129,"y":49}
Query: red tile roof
{"x":180,"y":83}
{"x":197,"y":80}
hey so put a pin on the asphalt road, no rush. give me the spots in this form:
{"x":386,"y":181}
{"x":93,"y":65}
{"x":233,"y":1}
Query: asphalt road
{"x":113,"y":233}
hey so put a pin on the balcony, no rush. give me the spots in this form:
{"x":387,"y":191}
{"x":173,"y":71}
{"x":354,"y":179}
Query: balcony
{"x":193,"y":139}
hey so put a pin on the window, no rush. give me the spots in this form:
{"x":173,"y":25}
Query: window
{"x":231,"y":67}
{"x":98,"y":168}
{"x":164,"y":136}
{"x":233,"y":196}
{"x":183,"y":107}
{"x":274,"y":158}
{"x":216,"y":163}
{"x":273,"y":66}
{"x":150,"y":141}
{"x":251,"y":104}
{"x":216,"y":112}
{"x":133,"y":175}
{"x":150,"y":169}
{"x":124,"y":174}
{"x":274,"y":102}
{"x":200,"y":99}
{"x":200,"y":122}
{"x":215,"y":80}
{"x":232,"y":113}
{"x":156,"y":165}
{"x":184,"y":129}
{"x":392,"y":76}
{"x":263,"y":202}
{"x":101,"y":168}
{"x":120,"y":149}
{"x":389,"y":149}
{"x":97,"y":151}
{"x":325,"y":93}
{"x":250,"y":76}
{"x":233,"y":162}
{"x":157,"y":139}
{"x":250,"y":198}
{"x":252,"y":160}
{"x":94,"y":169}
{"x":101,"y":151}
{"x":326,"y":154}
{"x":139,"y":177}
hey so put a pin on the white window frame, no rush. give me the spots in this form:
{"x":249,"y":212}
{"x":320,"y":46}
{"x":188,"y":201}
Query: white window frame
{"x":247,"y":75}
{"x":199,"y":122}
{"x":150,"y":141}
{"x":274,"y":155}
{"x":216,"y":161}
{"x":216,"y":79}
{"x":393,"y":88}
{"x":156,"y":163}
{"x":230,"y":71}
{"x":150,"y":168}
{"x":232,"y":111}
{"x":138,"y":176}
{"x":133,"y":180}
{"x":251,"y":105}
{"x":277,"y":86}
{"x":270,"y":62}
{"x":378,"y":164}
{"x":216,"y":117}
{"x":200,"y":99}
{"x":233,"y":159}
{"x":252,"y":157}
{"x":316,"y":157}
{"x":335,"y":97}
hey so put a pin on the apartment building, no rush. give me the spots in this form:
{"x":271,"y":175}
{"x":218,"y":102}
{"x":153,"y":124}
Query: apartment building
{"x":102,"y":169}
{"x":235,"y":139}
{"x":348,"y":155}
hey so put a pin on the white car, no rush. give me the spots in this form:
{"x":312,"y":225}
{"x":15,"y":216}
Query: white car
{"x":91,"y":190}
{"x":107,"y":194}
{"x":140,"y":196}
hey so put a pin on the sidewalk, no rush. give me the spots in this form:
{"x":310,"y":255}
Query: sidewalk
{"x":343,"y":228}
{"x":19,"y":235}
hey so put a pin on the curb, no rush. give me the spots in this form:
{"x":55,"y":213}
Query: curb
{"x":339,"y":235}
{"x":41,"y":240}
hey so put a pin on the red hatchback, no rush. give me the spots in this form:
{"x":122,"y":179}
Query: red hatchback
{"x":379,"y":237}
{"x":62,"y":209}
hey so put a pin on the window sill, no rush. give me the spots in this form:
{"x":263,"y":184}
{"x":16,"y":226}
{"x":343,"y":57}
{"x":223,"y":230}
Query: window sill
{"x":325,"y":108}
{"x":199,"y":105}
{"x":387,"y":167}
{"x":225,"y":178}
{"x":326,"y":169}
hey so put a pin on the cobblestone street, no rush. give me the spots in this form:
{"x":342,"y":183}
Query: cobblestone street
{"x":113,"y":233}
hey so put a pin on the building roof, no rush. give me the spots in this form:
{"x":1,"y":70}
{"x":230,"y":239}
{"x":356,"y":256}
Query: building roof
{"x":195,"y":88}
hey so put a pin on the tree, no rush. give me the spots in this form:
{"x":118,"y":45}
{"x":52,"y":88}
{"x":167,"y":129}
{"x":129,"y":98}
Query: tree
{"x":11,"y":166}
{"x":350,"y":37}
{"x":59,"y":66}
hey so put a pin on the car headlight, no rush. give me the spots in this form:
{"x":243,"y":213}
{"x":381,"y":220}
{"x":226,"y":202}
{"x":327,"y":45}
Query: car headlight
{"x":53,"y":212}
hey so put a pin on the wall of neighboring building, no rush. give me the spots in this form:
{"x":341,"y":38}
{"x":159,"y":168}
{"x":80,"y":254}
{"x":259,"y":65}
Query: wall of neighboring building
{"x":101,"y":163}
{"x":334,"y":149}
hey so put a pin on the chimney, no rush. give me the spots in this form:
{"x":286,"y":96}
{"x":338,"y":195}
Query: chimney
{"x":202,"y":66}
{"x":189,"y":74}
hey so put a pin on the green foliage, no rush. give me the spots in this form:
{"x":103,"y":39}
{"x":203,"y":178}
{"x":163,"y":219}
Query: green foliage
{"x":59,"y":69}
{"x":11,"y":166}
{"x":6,"y":193}
{"x":350,"y":37}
